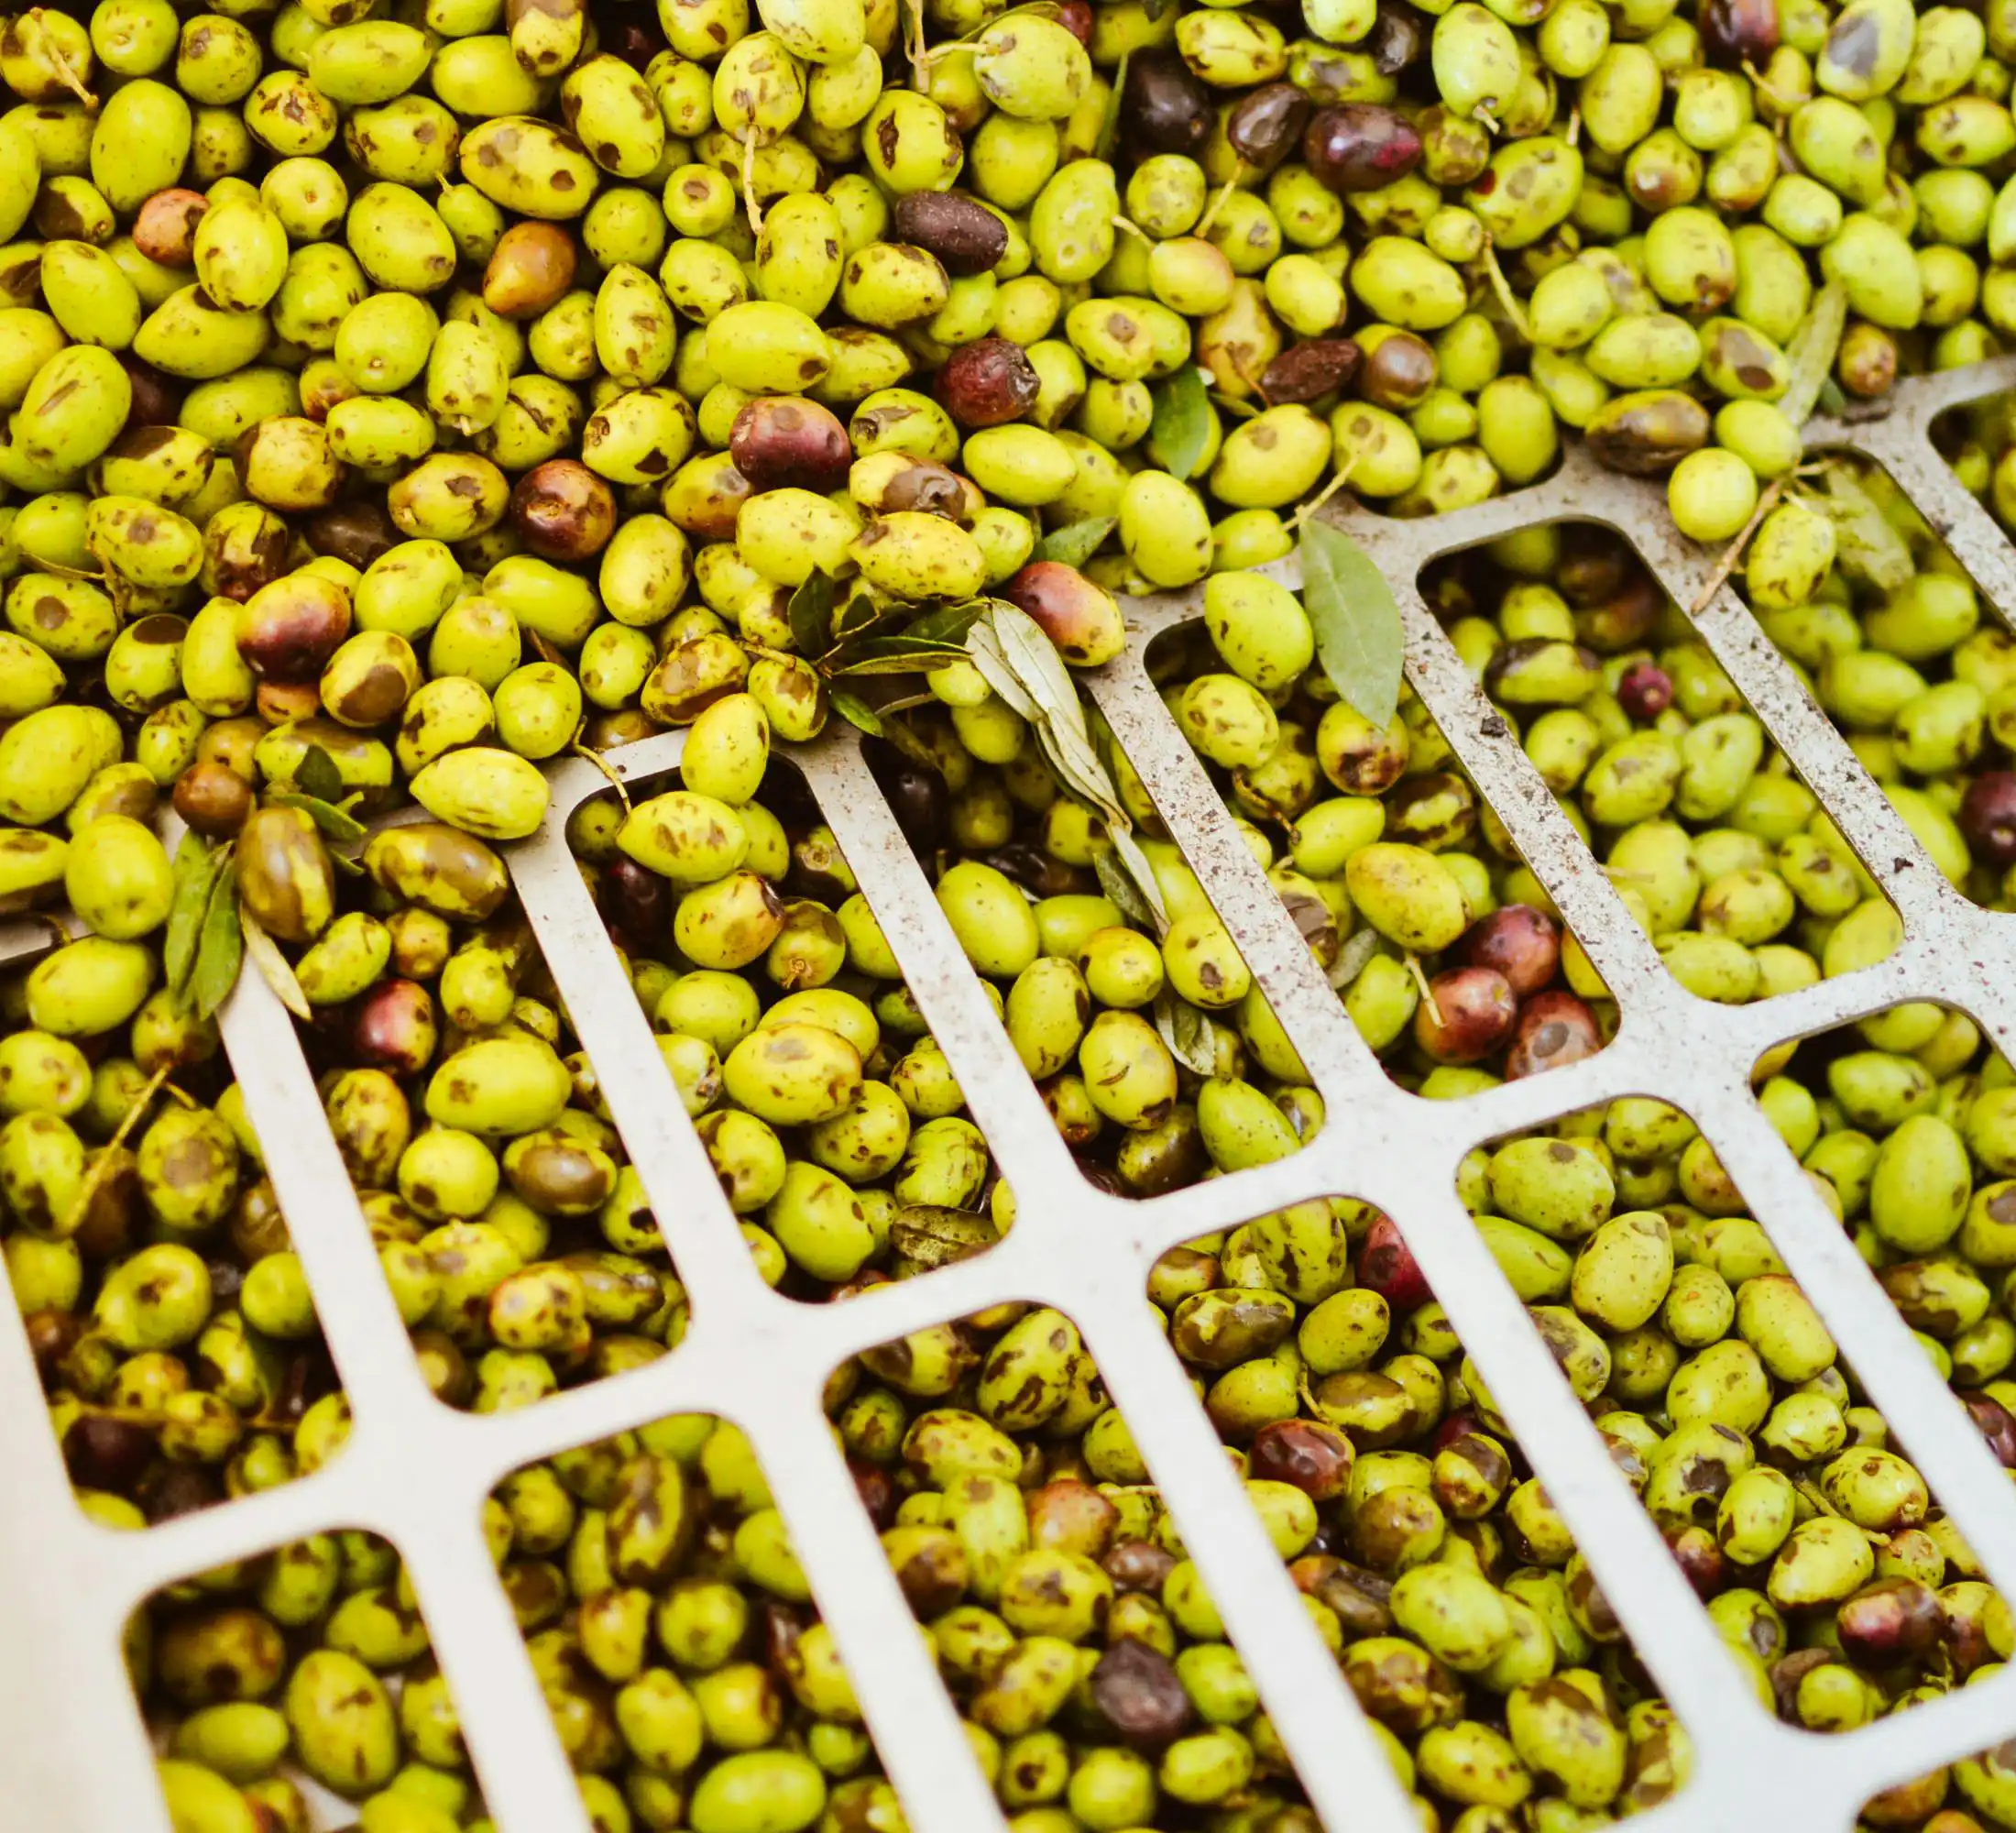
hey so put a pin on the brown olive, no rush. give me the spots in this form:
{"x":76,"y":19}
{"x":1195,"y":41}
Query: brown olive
{"x":528,"y":271}
{"x":564,"y":510}
{"x":1398,"y":373}
{"x":1264,"y":125}
{"x":1164,"y":108}
{"x":635,"y":900}
{"x":1312,"y":1455}
{"x":1700,"y":1558}
{"x":1137,"y":1691}
{"x":212,"y":798}
{"x":1310,"y":369}
{"x":1138,"y":1565}
{"x":353,"y":533}
{"x":987,"y":382}
{"x":782,"y":442}
{"x":1891,"y":1621}
{"x":289,"y":630}
{"x":1736,"y":32}
{"x":1987,"y":818}
{"x":1995,"y":1423}
{"x":1387,"y":1266}
{"x":1071,"y":1517}
{"x":967,"y":237}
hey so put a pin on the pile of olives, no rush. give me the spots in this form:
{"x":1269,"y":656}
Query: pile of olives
{"x":402,"y":394}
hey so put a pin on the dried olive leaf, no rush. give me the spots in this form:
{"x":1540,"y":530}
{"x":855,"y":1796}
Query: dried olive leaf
{"x":1869,"y":546}
{"x":857,"y":712}
{"x":810,"y":612}
{"x":933,"y":1236}
{"x":1187,"y":1032}
{"x":317,"y":775}
{"x":1811,"y":353}
{"x":903,"y":735}
{"x":983,"y":650}
{"x":1076,"y":542}
{"x":1118,"y":884}
{"x":1143,"y":873}
{"x":1354,"y":957}
{"x":221,"y":948}
{"x":273,"y":966}
{"x":338,"y":824}
{"x":1359,"y":635}
{"x":197,"y":865}
{"x":1181,"y":427}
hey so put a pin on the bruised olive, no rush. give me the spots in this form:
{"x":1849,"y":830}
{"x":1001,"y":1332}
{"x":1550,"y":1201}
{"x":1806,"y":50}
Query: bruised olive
{"x":1736,"y":32}
{"x":1645,"y":690}
{"x":1315,"y":1457}
{"x":1079,"y":617}
{"x":782,"y":442}
{"x":289,"y":630}
{"x":1399,"y":373}
{"x":1891,"y":1621}
{"x":987,"y":382}
{"x":1554,"y":1028}
{"x":1361,"y":146}
{"x":1137,"y":1691}
{"x":564,"y":510}
{"x":354,"y":532}
{"x":393,"y":1027}
{"x":530,"y":270}
{"x":967,"y":237}
{"x":165,"y":230}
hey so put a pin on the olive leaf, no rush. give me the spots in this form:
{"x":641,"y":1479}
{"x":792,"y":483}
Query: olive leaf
{"x":1811,"y":353}
{"x":273,"y":966}
{"x":1108,"y":136}
{"x":197,"y":866}
{"x":1359,"y":636}
{"x":948,"y":624}
{"x":1352,"y":959}
{"x":337,"y":824}
{"x":810,"y":612}
{"x":1076,"y":542}
{"x":220,"y":949}
{"x":1187,"y":1032}
{"x":316,"y":775}
{"x":1868,"y":545}
{"x":858,"y":616}
{"x":1181,"y":427}
{"x":890,"y":655}
{"x":931,"y":1236}
{"x":857,"y":712}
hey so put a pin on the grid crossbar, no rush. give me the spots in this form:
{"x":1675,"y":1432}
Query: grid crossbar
{"x":71,"y":1747}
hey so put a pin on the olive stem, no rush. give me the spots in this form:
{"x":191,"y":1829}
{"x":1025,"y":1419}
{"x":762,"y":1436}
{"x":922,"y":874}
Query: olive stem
{"x":1420,"y":980}
{"x":1204,"y":223}
{"x":1733,"y":552}
{"x":1574,"y":126}
{"x":54,"y":52}
{"x":140,"y":1103}
{"x":1132,"y":228}
{"x":1326,"y":493}
{"x":1779,"y":100}
{"x":602,"y":764}
{"x":1503,"y":288}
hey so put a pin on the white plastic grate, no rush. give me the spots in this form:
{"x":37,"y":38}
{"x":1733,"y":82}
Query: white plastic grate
{"x":74,"y":1758}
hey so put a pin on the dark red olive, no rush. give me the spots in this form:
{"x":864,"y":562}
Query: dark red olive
{"x":877,"y":1490}
{"x":1075,"y":18}
{"x":1077,"y":616}
{"x":564,"y":510}
{"x":105,"y":1454}
{"x":171,"y":1490}
{"x":1522,"y":943}
{"x":393,"y":1027}
{"x":290,"y":629}
{"x":1554,"y":1029}
{"x":635,"y":899}
{"x":917,"y":797}
{"x":987,"y":382}
{"x":51,"y":1334}
{"x":1137,"y":1691}
{"x":1361,"y":146}
{"x":1164,"y":108}
{"x":1987,"y":818}
{"x":1264,"y":125}
{"x":1387,"y":1266}
{"x":1468,"y":1014}
{"x":1645,"y":690}
{"x":1624,"y":617}
{"x":1893,"y":1620}
{"x":784,"y":441}
{"x":1736,"y":32}
{"x":1314,"y":1456}
{"x":967,"y":237}
{"x":1398,"y":373}
{"x":1310,"y":369}
{"x":156,"y":401}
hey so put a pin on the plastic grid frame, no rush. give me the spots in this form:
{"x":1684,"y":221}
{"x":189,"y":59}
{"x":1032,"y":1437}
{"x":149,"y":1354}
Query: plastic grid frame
{"x":74,"y":1754}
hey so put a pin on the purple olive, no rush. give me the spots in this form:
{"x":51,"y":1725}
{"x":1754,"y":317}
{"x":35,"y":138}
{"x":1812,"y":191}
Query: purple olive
{"x":1361,"y":146}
